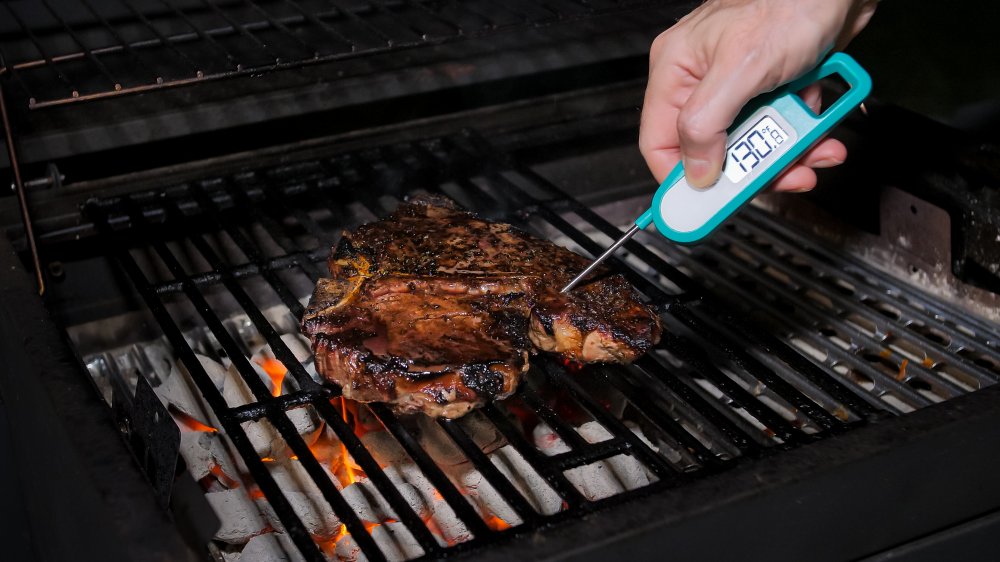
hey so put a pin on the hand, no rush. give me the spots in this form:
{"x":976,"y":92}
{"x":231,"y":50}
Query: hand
{"x":703,"y":70}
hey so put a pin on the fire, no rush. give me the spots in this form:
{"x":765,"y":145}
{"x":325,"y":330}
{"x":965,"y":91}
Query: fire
{"x":230,"y":482}
{"x":497,"y":524}
{"x":344,"y":456}
{"x":277,"y":371}
{"x":902,"y":369}
{"x":191,"y":423}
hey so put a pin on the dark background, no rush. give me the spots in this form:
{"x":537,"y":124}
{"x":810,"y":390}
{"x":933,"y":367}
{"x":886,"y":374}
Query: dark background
{"x":940,"y":59}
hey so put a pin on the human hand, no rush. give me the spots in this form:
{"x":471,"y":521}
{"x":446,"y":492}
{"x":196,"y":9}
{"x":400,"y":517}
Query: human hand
{"x":703,"y":70}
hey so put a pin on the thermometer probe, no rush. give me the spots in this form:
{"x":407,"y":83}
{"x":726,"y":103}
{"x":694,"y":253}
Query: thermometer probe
{"x":772,"y":132}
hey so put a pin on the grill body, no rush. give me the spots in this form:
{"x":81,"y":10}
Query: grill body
{"x":803,"y":403}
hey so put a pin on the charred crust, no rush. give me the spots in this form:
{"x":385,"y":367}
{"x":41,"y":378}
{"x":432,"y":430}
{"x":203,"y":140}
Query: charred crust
{"x":483,"y":380}
{"x":408,"y":294}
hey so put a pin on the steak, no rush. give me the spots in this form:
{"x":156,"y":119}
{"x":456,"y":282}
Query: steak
{"x":434,"y":310}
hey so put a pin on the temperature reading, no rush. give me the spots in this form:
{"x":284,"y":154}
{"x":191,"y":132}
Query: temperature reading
{"x":752,"y":148}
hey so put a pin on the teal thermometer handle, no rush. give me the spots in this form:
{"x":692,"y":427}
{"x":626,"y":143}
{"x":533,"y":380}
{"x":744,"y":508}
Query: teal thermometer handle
{"x":772,"y":132}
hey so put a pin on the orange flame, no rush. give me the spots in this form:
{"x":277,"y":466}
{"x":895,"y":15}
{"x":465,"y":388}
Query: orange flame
{"x":902,"y":369}
{"x":217,"y":471}
{"x":277,"y":371}
{"x":497,"y":524}
{"x":344,"y":456}
{"x":191,"y":423}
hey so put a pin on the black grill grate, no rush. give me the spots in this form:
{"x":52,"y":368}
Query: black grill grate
{"x":718,"y":387}
{"x":64,"y":51}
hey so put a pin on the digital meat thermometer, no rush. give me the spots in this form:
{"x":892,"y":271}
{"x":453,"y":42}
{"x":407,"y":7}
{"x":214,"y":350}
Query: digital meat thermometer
{"x":772,"y":132}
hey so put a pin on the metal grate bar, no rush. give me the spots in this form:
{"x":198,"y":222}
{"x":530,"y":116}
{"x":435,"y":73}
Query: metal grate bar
{"x":659,"y":418}
{"x":778,"y":384}
{"x":364,"y":23}
{"x":310,"y":51}
{"x":656,"y":463}
{"x":374,"y":472}
{"x":872,"y":344}
{"x":483,"y":464}
{"x":287,"y":261}
{"x":83,"y":48}
{"x":898,"y":389}
{"x":455,"y":500}
{"x":114,"y":33}
{"x":693,"y":355}
{"x":539,"y":463}
{"x":309,"y":34}
{"x":596,"y":452}
{"x":734,"y":434}
{"x":257,"y":410}
{"x":357,"y":450}
{"x":234,"y":431}
{"x":207,"y":37}
{"x":958,"y":340}
{"x":280,"y":422}
{"x":551,"y":419}
{"x":48,"y":61}
{"x":278,"y":231}
{"x":322,"y":25}
{"x":455,"y":27}
{"x":283,"y":354}
{"x":879,"y":282}
{"x":251,"y":252}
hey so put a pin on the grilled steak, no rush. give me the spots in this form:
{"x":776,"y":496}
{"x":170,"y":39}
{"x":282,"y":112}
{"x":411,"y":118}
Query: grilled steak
{"x":434,"y":310}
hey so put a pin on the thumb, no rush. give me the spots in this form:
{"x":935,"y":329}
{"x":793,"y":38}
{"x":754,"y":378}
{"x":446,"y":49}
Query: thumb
{"x":704,"y":118}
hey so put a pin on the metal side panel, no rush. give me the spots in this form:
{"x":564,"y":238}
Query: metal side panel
{"x":84,"y":495}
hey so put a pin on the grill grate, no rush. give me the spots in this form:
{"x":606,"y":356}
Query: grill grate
{"x":718,"y":387}
{"x":65,"y":51}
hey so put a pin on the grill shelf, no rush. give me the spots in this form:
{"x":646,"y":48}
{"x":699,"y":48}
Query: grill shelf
{"x":754,"y":391}
{"x":66,"y":51}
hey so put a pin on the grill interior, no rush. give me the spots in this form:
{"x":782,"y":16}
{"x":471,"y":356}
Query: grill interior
{"x":65,"y":51}
{"x":771,"y":340}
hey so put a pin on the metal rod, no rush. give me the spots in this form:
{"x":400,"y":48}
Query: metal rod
{"x":607,"y":254}
{"x":22,"y":197}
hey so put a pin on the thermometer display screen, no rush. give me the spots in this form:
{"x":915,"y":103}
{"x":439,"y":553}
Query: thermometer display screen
{"x":757,"y":146}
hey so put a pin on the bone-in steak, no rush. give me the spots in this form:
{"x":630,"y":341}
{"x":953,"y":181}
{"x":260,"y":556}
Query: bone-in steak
{"x":435,"y":310}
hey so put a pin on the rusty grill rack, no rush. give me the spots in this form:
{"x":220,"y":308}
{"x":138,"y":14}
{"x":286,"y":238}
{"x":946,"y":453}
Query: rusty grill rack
{"x":755,"y":391}
{"x":65,"y":51}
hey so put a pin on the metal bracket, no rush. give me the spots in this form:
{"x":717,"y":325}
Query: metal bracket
{"x":19,"y":190}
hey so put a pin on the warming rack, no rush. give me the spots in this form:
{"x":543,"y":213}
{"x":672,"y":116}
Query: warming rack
{"x":58,"y":52}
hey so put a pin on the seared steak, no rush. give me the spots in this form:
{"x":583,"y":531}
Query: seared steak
{"x":434,"y":310}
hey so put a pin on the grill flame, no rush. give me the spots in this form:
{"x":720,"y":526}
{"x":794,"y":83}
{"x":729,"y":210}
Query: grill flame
{"x":277,"y":371}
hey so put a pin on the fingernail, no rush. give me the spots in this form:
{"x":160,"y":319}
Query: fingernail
{"x":698,"y":172}
{"x":798,"y":190}
{"x":827,"y":163}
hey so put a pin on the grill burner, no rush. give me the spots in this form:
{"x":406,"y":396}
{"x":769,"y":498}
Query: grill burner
{"x":851,"y":345}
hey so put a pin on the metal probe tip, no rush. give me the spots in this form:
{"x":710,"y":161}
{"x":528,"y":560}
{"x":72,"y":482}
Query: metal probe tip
{"x":625,"y":238}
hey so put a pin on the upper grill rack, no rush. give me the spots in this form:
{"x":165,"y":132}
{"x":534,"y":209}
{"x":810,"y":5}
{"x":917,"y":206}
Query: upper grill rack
{"x":64,"y":51}
{"x":713,"y":375}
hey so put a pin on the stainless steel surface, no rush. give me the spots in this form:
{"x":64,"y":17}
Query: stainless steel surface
{"x":625,"y":238}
